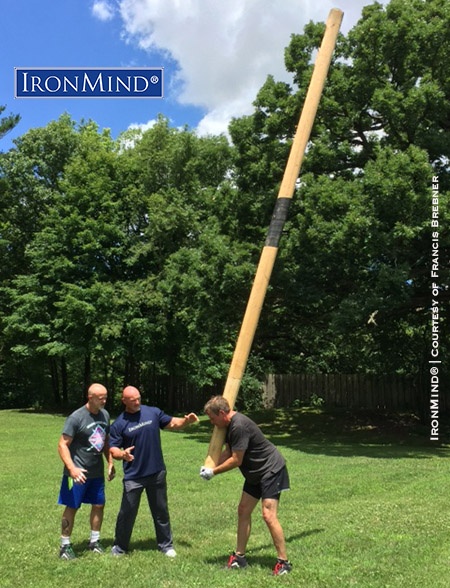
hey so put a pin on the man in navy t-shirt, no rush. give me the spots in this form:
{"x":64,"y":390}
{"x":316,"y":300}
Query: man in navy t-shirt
{"x":135,"y":439}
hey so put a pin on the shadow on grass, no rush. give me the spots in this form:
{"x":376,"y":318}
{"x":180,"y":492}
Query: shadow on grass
{"x":221,"y":561}
{"x":261,"y":560}
{"x":343,"y":433}
{"x":80,"y":547}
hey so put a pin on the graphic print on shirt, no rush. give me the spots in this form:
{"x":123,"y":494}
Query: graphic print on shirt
{"x":97,"y":439}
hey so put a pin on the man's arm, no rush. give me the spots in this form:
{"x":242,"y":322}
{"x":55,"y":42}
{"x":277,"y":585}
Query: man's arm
{"x":115,"y":450}
{"x":230,"y":463}
{"x":78,"y":474}
{"x":109,"y":460}
{"x":122,"y":454}
{"x":229,"y":460}
{"x":178,"y":423}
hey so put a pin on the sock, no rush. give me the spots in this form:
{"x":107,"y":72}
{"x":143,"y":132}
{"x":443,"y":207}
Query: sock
{"x":95,"y":536}
{"x":65,"y":541}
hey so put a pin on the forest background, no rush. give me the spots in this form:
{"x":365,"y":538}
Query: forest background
{"x":127,"y":259}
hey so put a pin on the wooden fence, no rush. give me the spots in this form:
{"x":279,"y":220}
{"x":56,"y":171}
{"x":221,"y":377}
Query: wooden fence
{"x":178,"y":395}
{"x":354,"y":391}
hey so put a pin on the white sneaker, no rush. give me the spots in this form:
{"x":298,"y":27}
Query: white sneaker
{"x":170,"y":552}
{"x":117,"y":551}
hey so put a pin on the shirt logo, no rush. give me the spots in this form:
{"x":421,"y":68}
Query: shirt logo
{"x":139,"y":426}
{"x":97,"y":439}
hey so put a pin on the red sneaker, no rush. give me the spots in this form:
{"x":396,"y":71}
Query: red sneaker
{"x":282,"y":567}
{"x":237,"y":561}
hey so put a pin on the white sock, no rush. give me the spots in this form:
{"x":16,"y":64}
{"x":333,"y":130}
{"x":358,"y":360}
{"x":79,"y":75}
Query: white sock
{"x":95,"y":536}
{"x":65,"y":541}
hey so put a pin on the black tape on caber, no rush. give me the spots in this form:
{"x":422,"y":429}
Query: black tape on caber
{"x":277,"y":223}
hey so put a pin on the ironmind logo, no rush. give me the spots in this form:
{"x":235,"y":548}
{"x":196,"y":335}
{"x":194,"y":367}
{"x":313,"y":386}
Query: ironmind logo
{"x":88,"y":82}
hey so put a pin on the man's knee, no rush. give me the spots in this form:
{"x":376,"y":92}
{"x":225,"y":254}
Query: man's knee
{"x":245,"y":510}
{"x":269,"y":517}
{"x":269,"y":512}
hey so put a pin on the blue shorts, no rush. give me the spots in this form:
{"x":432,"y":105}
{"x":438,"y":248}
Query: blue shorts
{"x":91,"y":492}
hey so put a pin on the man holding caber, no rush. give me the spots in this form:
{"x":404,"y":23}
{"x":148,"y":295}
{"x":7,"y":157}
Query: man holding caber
{"x":265,"y":473}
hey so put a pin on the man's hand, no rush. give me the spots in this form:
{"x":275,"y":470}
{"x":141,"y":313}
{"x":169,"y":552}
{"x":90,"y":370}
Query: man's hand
{"x":78,"y":475}
{"x":111,"y":472}
{"x":206,"y":473}
{"x":191,"y":418}
{"x":127,"y":455}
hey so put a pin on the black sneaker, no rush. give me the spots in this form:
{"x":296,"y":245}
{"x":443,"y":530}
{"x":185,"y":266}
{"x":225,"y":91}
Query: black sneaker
{"x":67,"y":552}
{"x":282,"y":567}
{"x":96,"y":547}
{"x":237,"y":561}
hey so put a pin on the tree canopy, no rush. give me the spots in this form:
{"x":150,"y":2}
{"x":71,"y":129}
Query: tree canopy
{"x":8,"y":122}
{"x":122,"y":259}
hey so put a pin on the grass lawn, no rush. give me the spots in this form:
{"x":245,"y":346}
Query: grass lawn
{"x":369,"y":506}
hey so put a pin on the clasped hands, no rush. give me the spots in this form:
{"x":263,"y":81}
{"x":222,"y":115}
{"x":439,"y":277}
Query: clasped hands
{"x":206,"y":473}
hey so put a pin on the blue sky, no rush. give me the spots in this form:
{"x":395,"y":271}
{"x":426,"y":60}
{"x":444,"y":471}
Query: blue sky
{"x":216,"y":54}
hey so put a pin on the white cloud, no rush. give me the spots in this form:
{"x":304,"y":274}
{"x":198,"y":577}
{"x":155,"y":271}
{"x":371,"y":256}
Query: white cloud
{"x":224,"y":49}
{"x":103,"y":10}
{"x":142,"y":127}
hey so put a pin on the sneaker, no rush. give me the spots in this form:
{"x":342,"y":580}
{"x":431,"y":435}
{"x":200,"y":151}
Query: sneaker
{"x":237,"y":561}
{"x":96,"y":547}
{"x":117,"y":551}
{"x":170,"y":552}
{"x":282,"y":567}
{"x":67,"y":552}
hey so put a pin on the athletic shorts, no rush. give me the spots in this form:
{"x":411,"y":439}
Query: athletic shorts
{"x":270,"y":487}
{"x":91,"y":492}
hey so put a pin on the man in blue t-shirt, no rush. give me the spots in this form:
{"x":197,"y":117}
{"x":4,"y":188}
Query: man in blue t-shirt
{"x":135,"y":439}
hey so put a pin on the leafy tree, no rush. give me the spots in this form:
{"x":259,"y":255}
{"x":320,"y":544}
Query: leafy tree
{"x":351,"y":288}
{"x":69,"y":251}
{"x":121,"y":259}
{"x":29,"y":176}
{"x":174,"y":183}
{"x":7,"y":123}
{"x":93,"y":295}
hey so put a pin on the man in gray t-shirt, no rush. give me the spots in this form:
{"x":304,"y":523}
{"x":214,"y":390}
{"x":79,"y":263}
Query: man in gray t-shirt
{"x":83,"y":444}
{"x":265,"y":473}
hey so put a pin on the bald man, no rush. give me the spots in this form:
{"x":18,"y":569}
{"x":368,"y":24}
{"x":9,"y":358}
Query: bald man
{"x":135,"y":439}
{"x":83,"y":443}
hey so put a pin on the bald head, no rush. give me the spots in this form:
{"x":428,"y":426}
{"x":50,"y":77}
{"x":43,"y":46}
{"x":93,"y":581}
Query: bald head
{"x":130,"y":391}
{"x":131,"y":397}
{"x":97,"y":396}
{"x":97,"y":389}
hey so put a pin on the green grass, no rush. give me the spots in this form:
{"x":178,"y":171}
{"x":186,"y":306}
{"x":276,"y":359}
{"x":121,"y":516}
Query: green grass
{"x":368,"y":507}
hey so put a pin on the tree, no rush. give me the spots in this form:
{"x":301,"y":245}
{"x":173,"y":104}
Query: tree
{"x":351,"y":288}
{"x":93,"y":293}
{"x":7,"y":123}
{"x":29,"y":182}
{"x":174,"y":186}
{"x":121,"y":259}
{"x":72,"y":249}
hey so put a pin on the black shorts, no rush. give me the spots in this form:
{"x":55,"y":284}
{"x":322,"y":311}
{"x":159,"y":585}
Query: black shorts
{"x":270,"y":487}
